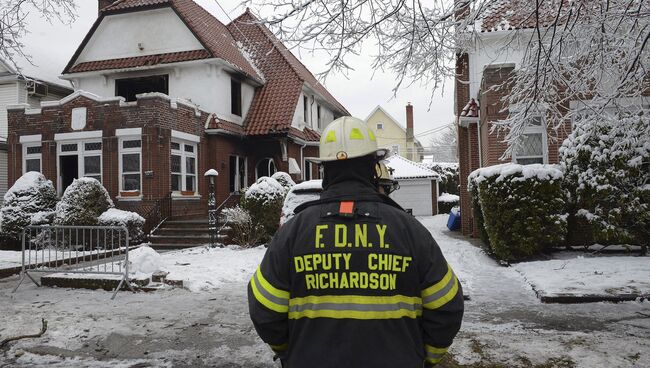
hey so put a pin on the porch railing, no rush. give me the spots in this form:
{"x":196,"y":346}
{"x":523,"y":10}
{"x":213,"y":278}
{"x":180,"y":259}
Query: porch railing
{"x":159,"y":212}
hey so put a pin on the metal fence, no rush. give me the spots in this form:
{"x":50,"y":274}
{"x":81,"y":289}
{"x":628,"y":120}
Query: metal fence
{"x":93,"y":250}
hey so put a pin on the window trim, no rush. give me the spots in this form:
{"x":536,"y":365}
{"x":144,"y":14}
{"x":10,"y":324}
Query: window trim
{"x":32,"y":156}
{"x":270,"y":160}
{"x":183,"y":192}
{"x":307,"y":170}
{"x":81,"y":153}
{"x":237,"y":179}
{"x":380,"y":126}
{"x":535,"y":129}
{"x":121,"y":151}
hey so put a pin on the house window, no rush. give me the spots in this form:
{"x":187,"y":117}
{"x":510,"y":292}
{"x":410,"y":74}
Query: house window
{"x":395,"y":149}
{"x":307,"y":172}
{"x":32,"y":157}
{"x":130,"y":165}
{"x":235,"y":97}
{"x":531,"y":148}
{"x":380,"y":126}
{"x":265,"y":167}
{"x":238,"y":173}
{"x":183,"y":167}
{"x":130,"y":87}
{"x":305,"y":109}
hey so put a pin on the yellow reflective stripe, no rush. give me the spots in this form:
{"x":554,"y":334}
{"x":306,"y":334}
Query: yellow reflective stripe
{"x":331,"y":137}
{"x":279,"y":347}
{"x":434,"y":350}
{"x":445,"y":298}
{"x":438,"y":285}
{"x":270,"y":288}
{"x":355,"y":307}
{"x":355,"y":133}
{"x":355,"y":299}
{"x":355,"y":314}
{"x":434,"y":355}
{"x":371,"y":135}
{"x":265,"y":301}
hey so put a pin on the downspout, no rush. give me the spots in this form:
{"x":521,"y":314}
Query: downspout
{"x":480,"y":149}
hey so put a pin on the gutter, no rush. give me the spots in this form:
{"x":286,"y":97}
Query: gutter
{"x":220,"y":131}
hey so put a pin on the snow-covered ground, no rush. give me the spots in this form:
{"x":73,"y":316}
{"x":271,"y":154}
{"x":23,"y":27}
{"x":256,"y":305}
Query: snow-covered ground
{"x":207,"y":324}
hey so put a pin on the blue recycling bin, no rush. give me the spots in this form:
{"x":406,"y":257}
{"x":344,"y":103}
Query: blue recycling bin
{"x":453,"y":223}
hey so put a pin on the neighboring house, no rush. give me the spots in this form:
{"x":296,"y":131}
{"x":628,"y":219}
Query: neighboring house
{"x":163,"y":92}
{"x":21,"y":87}
{"x":391,"y":134}
{"x":492,"y":60}
{"x":418,"y":186}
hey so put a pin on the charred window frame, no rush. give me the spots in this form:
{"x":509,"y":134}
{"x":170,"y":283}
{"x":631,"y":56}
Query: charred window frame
{"x":235,"y":97}
{"x":130,"y":87}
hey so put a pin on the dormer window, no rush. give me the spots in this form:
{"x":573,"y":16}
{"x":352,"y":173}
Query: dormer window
{"x":130,"y":87}
{"x":235,"y":97}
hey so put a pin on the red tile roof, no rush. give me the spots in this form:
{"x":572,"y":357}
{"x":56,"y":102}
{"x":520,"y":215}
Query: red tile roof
{"x":306,"y":134}
{"x":132,"y":62}
{"x":275,"y":103}
{"x":228,"y":126}
{"x":212,"y":34}
{"x":502,"y":15}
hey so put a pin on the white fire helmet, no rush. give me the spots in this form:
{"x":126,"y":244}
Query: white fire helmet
{"x":348,"y":137}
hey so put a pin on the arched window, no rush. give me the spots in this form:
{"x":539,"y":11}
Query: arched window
{"x":265,"y":167}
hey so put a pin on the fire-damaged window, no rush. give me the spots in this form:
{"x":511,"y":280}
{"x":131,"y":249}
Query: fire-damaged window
{"x":238,"y":173}
{"x":235,"y":97}
{"x":265,"y":167}
{"x":130,"y":87}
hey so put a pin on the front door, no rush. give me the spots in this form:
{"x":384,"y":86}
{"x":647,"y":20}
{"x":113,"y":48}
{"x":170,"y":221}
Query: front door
{"x":69,"y":170}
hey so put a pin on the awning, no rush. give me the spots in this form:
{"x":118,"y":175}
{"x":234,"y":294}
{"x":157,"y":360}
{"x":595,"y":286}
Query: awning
{"x":294,"y":168}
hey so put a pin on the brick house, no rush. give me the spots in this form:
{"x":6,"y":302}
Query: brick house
{"x":178,"y":94}
{"x":477,"y":105}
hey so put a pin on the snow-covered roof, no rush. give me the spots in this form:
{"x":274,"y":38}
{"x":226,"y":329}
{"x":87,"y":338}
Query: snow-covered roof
{"x":39,"y":71}
{"x":406,"y":169}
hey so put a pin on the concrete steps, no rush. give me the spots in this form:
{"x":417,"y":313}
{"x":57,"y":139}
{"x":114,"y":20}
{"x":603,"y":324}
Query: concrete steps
{"x":182,"y":234}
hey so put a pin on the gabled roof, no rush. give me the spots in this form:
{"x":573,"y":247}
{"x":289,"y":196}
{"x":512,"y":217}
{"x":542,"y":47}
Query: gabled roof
{"x":274,"y":104}
{"x":209,"y":31}
{"x":406,"y":169}
{"x":504,"y":15}
{"x":379,"y":108}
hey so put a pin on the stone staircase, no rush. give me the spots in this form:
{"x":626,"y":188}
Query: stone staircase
{"x":181,"y":234}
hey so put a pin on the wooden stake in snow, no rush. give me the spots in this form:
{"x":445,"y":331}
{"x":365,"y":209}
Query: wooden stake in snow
{"x":43,"y":329}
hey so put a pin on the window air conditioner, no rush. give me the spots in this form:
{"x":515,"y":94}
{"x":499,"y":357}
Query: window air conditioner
{"x":36,"y":89}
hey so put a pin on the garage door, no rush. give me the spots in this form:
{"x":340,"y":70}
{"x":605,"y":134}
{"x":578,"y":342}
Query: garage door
{"x":414,"y":195}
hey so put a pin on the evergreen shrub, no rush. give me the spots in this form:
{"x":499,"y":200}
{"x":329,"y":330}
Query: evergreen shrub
{"x":263,"y":200}
{"x":523,"y":208}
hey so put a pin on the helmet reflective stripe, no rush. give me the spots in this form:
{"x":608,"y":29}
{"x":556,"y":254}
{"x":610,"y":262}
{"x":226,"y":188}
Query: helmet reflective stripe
{"x":346,"y":138}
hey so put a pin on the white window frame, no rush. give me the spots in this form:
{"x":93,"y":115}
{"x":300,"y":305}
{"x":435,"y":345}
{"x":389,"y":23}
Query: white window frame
{"x":380,"y":126}
{"x":307,"y":171}
{"x":81,"y":154}
{"x":123,"y":151}
{"x":269,"y":162}
{"x":32,"y":156}
{"x":237,"y":178}
{"x":184,"y":155}
{"x":535,"y":129}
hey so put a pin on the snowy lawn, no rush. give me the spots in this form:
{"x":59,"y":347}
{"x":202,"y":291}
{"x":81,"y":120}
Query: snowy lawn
{"x":204,"y":269}
{"x":580,"y":276}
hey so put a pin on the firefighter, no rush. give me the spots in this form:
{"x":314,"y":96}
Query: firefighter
{"x":386,"y":184}
{"x":352,"y":280}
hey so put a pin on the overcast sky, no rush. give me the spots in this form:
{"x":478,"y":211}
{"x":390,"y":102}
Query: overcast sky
{"x":52,"y":45}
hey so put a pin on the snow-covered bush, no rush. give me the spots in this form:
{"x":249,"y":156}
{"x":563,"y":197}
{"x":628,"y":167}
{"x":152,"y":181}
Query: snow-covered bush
{"x":449,"y":172}
{"x":447,"y":201}
{"x":82,"y":203}
{"x":263,"y":200}
{"x":607,"y":164}
{"x":30,"y":195}
{"x":245,"y":232}
{"x":523,"y":208}
{"x":144,"y":261}
{"x":131,"y":220}
{"x":284,"y":179}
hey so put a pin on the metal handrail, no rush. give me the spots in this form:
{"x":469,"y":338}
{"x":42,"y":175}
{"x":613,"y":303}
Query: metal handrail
{"x":161,"y":211}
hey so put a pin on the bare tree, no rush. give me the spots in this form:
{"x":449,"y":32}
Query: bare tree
{"x":13,"y":23}
{"x":573,"y":50}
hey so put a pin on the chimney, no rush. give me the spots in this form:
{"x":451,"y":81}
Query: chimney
{"x":102,"y":4}
{"x":410,"y":146}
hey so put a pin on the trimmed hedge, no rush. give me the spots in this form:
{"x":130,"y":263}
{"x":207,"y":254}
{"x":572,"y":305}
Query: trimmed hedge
{"x":522,"y":208}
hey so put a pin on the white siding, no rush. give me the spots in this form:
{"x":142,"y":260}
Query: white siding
{"x":205,"y":85}
{"x":3,"y":174}
{"x":8,"y":96}
{"x":415,"y":194}
{"x":156,"y":31}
